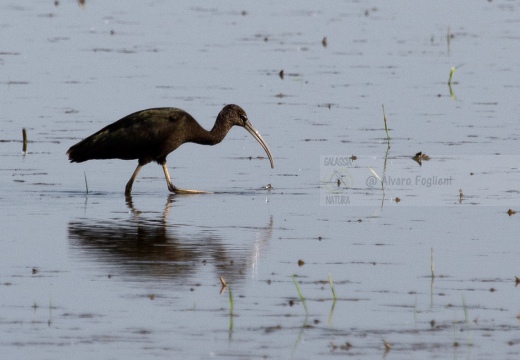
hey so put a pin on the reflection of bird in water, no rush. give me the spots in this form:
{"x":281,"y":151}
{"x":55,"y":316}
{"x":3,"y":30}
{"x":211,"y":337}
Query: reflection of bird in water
{"x":150,"y":135}
{"x":146,"y":247}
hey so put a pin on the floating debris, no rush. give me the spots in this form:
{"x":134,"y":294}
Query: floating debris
{"x":419,"y":157}
{"x":511,"y":212}
{"x":224,"y":284}
{"x":324,"y":42}
{"x":301,"y":262}
{"x":461,"y":195}
{"x":388,"y":346}
{"x":517,"y":280}
{"x":346,"y":346}
{"x":397,"y":200}
{"x":425,"y":157}
{"x":270,"y":329}
{"x":281,"y":74}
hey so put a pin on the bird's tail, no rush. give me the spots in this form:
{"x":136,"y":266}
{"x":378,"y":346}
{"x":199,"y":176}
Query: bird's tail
{"x":93,"y":147}
{"x":78,"y":153}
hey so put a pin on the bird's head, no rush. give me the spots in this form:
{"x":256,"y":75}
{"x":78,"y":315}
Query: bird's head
{"x":235,"y":115}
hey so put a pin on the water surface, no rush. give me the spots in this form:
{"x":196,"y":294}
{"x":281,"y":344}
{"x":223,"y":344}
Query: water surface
{"x":99,"y":275}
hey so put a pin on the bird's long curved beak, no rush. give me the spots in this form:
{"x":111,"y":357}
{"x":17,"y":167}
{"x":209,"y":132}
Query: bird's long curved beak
{"x":258,"y":138}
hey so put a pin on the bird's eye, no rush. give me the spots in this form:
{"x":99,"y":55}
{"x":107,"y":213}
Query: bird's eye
{"x":243,"y":117}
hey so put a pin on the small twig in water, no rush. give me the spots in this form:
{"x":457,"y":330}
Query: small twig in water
{"x":86,"y":184}
{"x":24,"y":136}
{"x":375,"y":174}
{"x":388,"y":346}
{"x":224,"y":284}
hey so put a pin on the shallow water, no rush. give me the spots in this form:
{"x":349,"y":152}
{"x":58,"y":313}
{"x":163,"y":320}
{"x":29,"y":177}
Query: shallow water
{"x":99,"y":275}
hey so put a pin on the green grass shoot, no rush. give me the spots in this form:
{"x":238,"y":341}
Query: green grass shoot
{"x":448,"y":39}
{"x":452,"y":71}
{"x":431,"y":264}
{"x":49,"y":322}
{"x":466,"y":319}
{"x":230,"y":313}
{"x":331,"y":314}
{"x":415,"y":310}
{"x":230,"y":301}
{"x":386,"y":125}
{"x":465,"y":310}
{"x":302,"y":299}
{"x":332,"y":288}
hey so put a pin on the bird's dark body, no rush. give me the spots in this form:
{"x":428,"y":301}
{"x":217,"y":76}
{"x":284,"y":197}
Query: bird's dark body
{"x":150,"y":135}
{"x":147,"y":135}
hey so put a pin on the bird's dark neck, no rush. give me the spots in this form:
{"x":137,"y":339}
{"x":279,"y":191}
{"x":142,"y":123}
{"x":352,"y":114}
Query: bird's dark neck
{"x":213,"y":137}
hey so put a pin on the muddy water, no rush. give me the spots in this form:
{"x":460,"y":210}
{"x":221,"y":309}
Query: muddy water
{"x":98,"y":275}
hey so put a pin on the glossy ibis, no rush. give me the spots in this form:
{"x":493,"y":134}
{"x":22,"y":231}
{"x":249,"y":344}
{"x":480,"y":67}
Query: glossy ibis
{"x":150,"y":135}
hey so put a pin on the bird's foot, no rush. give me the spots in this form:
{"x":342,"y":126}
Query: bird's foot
{"x":187,"y":191}
{"x":176,"y":190}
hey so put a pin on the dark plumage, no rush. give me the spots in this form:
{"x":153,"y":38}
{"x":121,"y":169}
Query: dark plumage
{"x":150,"y":135}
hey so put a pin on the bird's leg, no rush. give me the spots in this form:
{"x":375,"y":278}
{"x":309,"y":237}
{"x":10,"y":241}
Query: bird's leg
{"x":168,"y":179}
{"x":128,"y":188}
{"x":175,"y":189}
